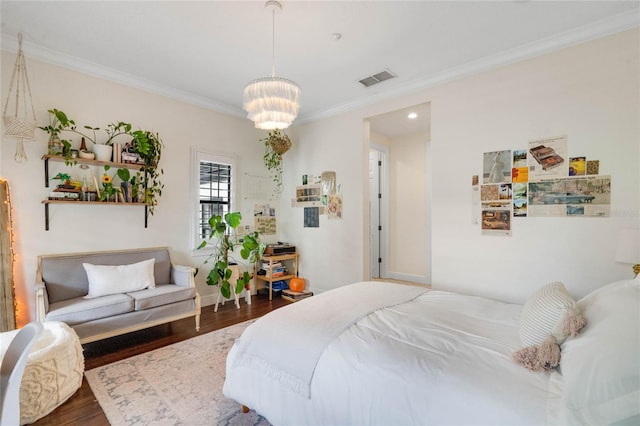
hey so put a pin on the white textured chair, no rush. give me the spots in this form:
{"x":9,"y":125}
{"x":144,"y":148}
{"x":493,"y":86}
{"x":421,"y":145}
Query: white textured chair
{"x":53,"y":372}
{"x":11,"y":371}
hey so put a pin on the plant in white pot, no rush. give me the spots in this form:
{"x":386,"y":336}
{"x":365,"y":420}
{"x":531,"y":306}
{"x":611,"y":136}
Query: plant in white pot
{"x":222,"y":241}
{"x":60,"y":122}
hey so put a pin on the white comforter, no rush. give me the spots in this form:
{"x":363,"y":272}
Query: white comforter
{"x":441,"y":358}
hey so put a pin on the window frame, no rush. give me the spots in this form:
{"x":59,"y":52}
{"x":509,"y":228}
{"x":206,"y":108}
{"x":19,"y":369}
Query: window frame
{"x":199,"y":155}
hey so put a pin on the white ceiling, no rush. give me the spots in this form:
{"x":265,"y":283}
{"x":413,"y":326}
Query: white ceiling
{"x":204,"y":52}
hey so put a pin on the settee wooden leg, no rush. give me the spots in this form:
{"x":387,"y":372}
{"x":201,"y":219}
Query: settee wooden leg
{"x":245,"y":409}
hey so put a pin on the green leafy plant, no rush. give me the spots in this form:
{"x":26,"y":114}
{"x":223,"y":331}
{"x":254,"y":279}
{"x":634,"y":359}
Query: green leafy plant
{"x":59,"y":122}
{"x":275,"y":144}
{"x":108,"y":189}
{"x":223,"y":240}
{"x":146,"y":144}
{"x":63,"y":177}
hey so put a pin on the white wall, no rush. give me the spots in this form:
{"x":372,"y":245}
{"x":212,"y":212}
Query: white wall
{"x":76,"y":228}
{"x":407,"y":207}
{"x":589,"y":92}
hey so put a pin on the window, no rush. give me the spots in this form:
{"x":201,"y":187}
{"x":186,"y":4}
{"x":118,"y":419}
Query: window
{"x":214,"y":188}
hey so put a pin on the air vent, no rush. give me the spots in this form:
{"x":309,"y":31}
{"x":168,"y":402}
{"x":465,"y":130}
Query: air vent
{"x":377,"y":78}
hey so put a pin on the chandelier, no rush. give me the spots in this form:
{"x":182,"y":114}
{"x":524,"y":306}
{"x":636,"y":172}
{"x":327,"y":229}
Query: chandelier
{"x":272,"y":102}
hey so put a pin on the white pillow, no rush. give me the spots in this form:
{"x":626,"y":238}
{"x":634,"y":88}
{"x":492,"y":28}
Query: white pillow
{"x":114,"y":279}
{"x":543,"y":314}
{"x":601,"y":366}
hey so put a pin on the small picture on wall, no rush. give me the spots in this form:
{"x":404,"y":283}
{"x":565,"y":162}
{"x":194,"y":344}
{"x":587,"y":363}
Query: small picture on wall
{"x":496,"y":222}
{"x":496,"y":167}
{"x":577,"y":166}
{"x":311,"y":217}
{"x":519,"y":171}
{"x":593,"y":167}
{"x":547,"y":158}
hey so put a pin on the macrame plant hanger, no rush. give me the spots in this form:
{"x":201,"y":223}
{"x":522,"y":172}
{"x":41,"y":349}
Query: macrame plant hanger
{"x":18,"y":123}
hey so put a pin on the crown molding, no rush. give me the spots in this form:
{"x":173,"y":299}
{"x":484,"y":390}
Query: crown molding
{"x":599,"y":29}
{"x":100,"y":71}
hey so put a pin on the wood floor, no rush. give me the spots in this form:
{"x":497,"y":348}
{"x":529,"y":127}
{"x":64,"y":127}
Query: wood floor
{"x":82,"y":407}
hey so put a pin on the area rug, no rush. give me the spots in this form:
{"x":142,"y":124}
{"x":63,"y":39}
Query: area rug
{"x":180,"y":384}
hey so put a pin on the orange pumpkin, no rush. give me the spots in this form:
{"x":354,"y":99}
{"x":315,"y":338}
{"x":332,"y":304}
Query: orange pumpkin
{"x":296,"y":284}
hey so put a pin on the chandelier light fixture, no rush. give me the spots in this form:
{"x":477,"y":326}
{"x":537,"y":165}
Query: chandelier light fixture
{"x":272,"y":102}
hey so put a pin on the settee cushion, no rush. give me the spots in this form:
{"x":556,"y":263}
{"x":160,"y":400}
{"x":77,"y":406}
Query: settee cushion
{"x":114,"y":279}
{"x":79,"y":310}
{"x":161,"y":295}
{"x":66,"y":278}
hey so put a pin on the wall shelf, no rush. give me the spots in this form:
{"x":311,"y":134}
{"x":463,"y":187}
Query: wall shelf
{"x":61,"y":159}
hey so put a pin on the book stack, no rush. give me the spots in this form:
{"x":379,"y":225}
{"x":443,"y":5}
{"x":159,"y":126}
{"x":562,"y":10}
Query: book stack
{"x":65,"y":192}
{"x":273,"y":270}
{"x":294,"y":296}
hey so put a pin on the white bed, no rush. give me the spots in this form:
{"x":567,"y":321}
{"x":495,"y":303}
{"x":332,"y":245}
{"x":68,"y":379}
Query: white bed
{"x":429,"y":357}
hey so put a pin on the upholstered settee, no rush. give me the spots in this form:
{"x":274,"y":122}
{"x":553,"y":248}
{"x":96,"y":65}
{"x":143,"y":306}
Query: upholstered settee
{"x":107,"y":293}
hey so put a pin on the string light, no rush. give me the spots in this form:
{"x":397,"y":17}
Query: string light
{"x":18,"y":305}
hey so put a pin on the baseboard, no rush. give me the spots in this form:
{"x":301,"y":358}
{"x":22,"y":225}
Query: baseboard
{"x":421,"y":279}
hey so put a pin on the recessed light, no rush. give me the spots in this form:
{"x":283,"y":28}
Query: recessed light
{"x":412,"y":116}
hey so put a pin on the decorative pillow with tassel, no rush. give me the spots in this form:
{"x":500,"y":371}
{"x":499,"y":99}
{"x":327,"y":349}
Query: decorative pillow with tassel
{"x":544,"y":313}
{"x":548,"y":318}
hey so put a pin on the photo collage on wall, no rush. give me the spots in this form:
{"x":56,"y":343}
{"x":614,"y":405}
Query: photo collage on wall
{"x":542,"y":180}
{"x":319,"y":195}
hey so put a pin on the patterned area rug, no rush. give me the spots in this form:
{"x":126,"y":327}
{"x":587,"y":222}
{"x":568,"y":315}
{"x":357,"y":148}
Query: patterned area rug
{"x":180,"y":384}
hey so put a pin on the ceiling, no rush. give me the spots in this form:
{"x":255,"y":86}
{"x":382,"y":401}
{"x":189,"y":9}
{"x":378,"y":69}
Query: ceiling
{"x":204,"y":52}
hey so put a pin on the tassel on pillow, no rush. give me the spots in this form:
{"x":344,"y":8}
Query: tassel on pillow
{"x":549,"y":353}
{"x":573,"y":322}
{"x":543,"y":357}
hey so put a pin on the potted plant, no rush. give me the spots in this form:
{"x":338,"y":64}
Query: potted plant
{"x":148,"y":146}
{"x":276,"y":144}
{"x":59,"y":122}
{"x":145,"y":144}
{"x":223,"y":240}
{"x":57,"y":146}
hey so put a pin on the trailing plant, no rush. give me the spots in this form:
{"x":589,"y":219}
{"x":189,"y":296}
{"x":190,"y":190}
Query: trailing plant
{"x":146,"y":144}
{"x":223,"y":240}
{"x":275,"y":144}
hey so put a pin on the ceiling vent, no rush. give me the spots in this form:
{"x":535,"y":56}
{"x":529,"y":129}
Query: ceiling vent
{"x":377,"y":78}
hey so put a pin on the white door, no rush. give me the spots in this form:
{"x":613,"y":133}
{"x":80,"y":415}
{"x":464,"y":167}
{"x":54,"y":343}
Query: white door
{"x":377,"y":211}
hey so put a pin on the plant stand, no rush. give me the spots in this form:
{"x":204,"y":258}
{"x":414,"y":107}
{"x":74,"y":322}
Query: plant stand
{"x":236,"y":296}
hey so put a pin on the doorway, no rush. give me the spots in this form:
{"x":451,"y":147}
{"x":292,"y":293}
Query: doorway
{"x":399,"y":233}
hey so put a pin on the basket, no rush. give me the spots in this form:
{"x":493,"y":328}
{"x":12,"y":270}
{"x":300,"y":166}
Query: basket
{"x":20,"y":127}
{"x":280,"y":144}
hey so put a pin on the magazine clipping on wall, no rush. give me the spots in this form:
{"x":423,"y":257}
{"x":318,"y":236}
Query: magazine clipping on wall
{"x":496,"y":167}
{"x":264,"y":218}
{"x":588,"y":196}
{"x":475,"y":199}
{"x":545,"y":182}
{"x":548,"y":158}
{"x":496,"y":209}
{"x":334,"y":206}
